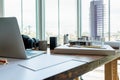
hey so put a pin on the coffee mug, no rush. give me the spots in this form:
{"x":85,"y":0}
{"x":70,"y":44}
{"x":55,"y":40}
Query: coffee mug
{"x":43,"y":45}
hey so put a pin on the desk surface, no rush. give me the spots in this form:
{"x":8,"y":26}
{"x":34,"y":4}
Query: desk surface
{"x":62,"y":67}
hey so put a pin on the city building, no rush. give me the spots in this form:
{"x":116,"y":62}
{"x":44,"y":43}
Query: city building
{"x":97,"y":18}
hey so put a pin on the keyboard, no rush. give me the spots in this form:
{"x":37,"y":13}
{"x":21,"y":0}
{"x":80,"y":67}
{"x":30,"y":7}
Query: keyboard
{"x":32,"y":53}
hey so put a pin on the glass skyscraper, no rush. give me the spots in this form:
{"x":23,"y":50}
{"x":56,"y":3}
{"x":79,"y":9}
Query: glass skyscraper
{"x":97,"y":19}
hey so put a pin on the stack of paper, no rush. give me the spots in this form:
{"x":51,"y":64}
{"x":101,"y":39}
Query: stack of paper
{"x":65,"y":49}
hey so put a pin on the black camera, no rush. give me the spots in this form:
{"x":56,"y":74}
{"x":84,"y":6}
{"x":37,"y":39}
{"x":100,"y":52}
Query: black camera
{"x":30,"y":43}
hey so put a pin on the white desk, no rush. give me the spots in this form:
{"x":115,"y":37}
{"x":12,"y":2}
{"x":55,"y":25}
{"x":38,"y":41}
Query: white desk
{"x":65,"y":67}
{"x":50,"y":65}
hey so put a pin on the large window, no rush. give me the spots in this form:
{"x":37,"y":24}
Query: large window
{"x":51,"y":18}
{"x":85,"y":10}
{"x":68,"y":18}
{"x":106,"y":20}
{"x":61,"y":18}
{"x":12,"y":8}
{"x":25,"y":12}
{"x":114,"y":19}
{"x":29,"y":17}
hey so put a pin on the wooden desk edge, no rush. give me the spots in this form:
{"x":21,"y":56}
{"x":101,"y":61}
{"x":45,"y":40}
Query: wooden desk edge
{"x":80,"y":70}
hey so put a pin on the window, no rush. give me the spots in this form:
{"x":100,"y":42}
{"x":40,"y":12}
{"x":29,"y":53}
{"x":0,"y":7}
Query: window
{"x":51,"y":18}
{"x":25,"y":12}
{"x":85,"y":17}
{"x":12,"y":8}
{"x":114,"y":20}
{"x":29,"y":17}
{"x":106,"y":20}
{"x":61,"y":18}
{"x":68,"y":19}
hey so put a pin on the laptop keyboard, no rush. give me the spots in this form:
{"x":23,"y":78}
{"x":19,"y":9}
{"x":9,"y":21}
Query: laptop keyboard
{"x":33,"y":53}
{"x":29,"y":53}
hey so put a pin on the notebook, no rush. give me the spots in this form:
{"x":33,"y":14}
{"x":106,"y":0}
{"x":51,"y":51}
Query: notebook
{"x":11,"y":43}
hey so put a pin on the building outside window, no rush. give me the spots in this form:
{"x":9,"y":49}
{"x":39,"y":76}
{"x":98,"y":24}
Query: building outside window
{"x":97,"y":19}
{"x":94,"y":18}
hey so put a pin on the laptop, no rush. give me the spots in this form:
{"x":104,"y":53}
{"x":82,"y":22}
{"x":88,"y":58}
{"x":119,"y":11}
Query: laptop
{"x":11,"y":42}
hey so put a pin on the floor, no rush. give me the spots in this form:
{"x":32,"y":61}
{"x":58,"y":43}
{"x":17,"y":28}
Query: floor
{"x":98,"y":73}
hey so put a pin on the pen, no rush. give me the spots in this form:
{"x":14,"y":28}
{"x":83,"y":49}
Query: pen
{"x":3,"y":61}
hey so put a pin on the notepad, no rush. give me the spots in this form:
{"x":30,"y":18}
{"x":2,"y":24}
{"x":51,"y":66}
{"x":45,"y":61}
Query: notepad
{"x":43,"y":62}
